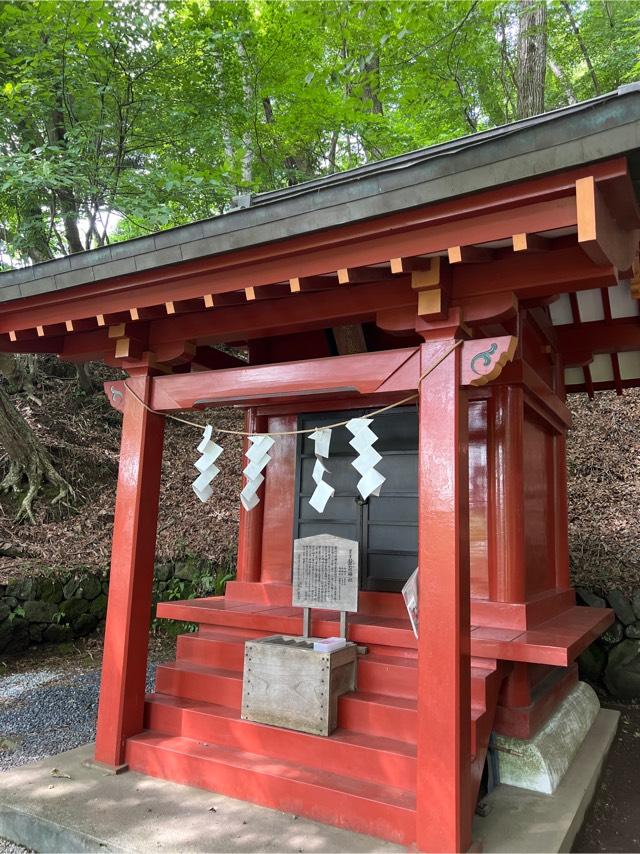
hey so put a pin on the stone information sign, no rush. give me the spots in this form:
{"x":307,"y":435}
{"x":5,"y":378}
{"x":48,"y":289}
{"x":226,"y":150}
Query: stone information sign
{"x":325,"y":573}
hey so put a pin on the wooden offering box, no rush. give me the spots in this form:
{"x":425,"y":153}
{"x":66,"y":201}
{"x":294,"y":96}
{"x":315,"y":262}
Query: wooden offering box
{"x":288,"y":684}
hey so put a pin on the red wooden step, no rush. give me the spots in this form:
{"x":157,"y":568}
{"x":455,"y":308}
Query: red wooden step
{"x":198,"y":682}
{"x":381,"y":714}
{"x":217,"y":649}
{"x":361,"y":756}
{"x":218,"y":611}
{"x":367,"y":807}
{"x":197,"y":676}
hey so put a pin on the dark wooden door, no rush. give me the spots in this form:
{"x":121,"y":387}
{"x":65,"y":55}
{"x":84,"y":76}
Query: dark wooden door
{"x":386,"y":527}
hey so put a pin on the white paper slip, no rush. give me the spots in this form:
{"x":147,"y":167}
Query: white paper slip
{"x":329,"y":645}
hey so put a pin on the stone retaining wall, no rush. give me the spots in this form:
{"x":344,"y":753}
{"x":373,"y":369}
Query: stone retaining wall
{"x":56,"y":608}
{"x":612,"y":662}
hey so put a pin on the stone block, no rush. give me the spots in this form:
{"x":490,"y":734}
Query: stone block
{"x":19,"y":640}
{"x":614,"y":634}
{"x":187,"y":569}
{"x":21,"y":588}
{"x":10,"y":602}
{"x":36,"y":631}
{"x":622,"y":606}
{"x":589,"y":598}
{"x":540,"y":763}
{"x":89,"y":588}
{"x":6,"y":630}
{"x":99,"y":606}
{"x":70,"y":587}
{"x":72,"y":608}
{"x":84,"y":624}
{"x":5,"y":610}
{"x":37,"y":611}
{"x":49,"y":589}
{"x":633,"y":631}
{"x":635,"y":602}
{"x":56,"y":634}
{"x":592,"y":662}
{"x":163,"y":571}
{"x":622,"y":676}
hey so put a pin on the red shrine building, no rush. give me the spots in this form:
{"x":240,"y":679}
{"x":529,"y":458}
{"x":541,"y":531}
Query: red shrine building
{"x":479,"y":281}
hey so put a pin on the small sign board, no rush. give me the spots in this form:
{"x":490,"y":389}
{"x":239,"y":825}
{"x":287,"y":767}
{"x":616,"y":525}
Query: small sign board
{"x":325,"y":573}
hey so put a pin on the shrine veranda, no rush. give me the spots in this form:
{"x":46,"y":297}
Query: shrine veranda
{"x":437,"y":306}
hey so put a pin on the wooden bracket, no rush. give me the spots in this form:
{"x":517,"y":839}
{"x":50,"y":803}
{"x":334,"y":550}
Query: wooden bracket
{"x":530,"y":243}
{"x":599,"y":235}
{"x":434,"y":289}
{"x":484,"y":359}
{"x":469,"y":254}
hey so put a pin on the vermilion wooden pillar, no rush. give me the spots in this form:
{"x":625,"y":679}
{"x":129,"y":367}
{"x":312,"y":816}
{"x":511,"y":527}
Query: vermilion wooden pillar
{"x":507,"y":571}
{"x":250,"y":531}
{"x":561,"y":513}
{"x":124,"y":665}
{"x":443,"y":793}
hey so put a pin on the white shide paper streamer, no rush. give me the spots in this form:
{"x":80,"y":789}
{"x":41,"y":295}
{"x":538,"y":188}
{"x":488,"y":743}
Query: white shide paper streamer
{"x":323,"y":491}
{"x":368,"y":458}
{"x":206,"y":465}
{"x":258,"y":456}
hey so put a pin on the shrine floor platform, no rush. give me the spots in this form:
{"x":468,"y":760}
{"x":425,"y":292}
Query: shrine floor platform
{"x":555,"y":641}
{"x":93,"y":810}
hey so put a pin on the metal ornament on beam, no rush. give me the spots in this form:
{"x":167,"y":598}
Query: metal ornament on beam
{"x":484,"y":359}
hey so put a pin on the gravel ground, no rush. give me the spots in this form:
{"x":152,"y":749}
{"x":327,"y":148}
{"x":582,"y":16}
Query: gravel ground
{"x":45,"y":712}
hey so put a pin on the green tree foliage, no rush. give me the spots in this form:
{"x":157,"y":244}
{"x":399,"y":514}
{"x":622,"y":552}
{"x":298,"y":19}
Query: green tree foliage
{"x":118,"y":118}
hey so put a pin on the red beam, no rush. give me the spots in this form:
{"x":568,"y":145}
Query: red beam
{"x":363,"y":373}
{"x":259,"y":319}
{"x":618,"y":335}
{"x":532,"y":276}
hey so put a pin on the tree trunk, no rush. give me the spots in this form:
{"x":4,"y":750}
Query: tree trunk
{"x":532,"y":57}
{"x":84,"y":377}
{"x":28,"y":460}
{"x":583,"y":48}
{"x":371,"y":91}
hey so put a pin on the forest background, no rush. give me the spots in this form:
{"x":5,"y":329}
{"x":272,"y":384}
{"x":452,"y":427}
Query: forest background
{"x":122,"y":118}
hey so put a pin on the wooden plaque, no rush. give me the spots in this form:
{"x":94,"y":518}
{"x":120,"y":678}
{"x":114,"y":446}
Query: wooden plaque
{"x":325,"y":573}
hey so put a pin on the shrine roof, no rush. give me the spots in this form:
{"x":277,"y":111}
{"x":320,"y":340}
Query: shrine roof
{"x":582,"y":133}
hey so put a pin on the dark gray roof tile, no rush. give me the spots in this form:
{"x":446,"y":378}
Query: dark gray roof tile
{"x":178,"y":236}
{"x":74,"y":277}
{"x":38,"y":286}
{"x":16,"y":277}
{"x":158,"y":258}
{"x":121,"y":267}
{"x":87,"y":259}
{"x":9,"y":292}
